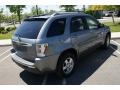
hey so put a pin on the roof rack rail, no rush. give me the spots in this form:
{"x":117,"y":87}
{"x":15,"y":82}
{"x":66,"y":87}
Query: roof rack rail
{"x":63,"y":13}
{"x":56,"y":13}
{"x":39,"y":15}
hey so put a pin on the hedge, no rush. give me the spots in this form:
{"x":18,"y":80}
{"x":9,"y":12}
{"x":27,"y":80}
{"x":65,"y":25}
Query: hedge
{"x":8,"y":29}
{"x":2,"y":29}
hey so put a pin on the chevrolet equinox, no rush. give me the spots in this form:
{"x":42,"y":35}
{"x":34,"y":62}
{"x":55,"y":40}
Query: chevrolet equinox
{"x":53,"y":42}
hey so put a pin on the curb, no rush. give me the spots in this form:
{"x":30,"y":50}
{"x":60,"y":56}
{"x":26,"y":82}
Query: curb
{"x":5,"y":45}
{"x":115,"y":38}
{"x":5,"y":42}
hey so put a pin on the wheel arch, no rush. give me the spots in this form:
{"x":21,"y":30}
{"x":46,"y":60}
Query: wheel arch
{"x":72,"y":50}
{"x":58,"y":70}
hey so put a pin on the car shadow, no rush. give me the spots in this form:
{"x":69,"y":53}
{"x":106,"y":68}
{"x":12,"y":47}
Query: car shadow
{"x":86,"y":66}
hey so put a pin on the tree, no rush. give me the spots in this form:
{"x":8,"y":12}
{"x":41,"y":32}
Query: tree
{"x":46,"y":11}
{"x":105,"y":7}
{"x":84,"y":8}
{"x":112,"y":8}
{"x":36,"y":10}
{"x":117,"y":7}
{"x":96,"y":10}
{"x":96,"y":7}
{"x":68,"y":8}
{"x":52,"y":11}
{"x":1,"y":16}
{"x":16,"y":9}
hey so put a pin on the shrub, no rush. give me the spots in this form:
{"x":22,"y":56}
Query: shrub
{"x":4,"y":32}
{"x":2,"y":29}
{"x":8,"y":29}
{"x":13,"y":28}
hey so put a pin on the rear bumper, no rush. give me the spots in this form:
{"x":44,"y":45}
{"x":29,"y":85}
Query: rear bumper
{"x":41,"y":65}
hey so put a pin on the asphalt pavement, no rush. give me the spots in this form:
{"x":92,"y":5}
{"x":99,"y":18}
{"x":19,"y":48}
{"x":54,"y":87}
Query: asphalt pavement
{"x":98,"y":67}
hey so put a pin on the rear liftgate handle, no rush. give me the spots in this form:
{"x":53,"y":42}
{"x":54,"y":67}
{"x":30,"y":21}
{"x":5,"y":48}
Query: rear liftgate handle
{"x":26,"y":44}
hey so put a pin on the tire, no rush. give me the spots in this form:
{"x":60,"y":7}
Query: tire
{"x":66,"y":64}
{"x":106,"y":42}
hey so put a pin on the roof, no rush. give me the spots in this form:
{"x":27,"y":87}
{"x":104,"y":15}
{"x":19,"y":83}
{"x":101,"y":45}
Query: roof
{"x":56,"y":14}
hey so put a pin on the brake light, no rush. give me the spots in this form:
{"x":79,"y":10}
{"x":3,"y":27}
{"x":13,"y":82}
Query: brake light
{"x":41,"y":49}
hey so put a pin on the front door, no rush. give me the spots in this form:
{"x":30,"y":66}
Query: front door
{"x":80,"y":35}
{"x":96,"y":31}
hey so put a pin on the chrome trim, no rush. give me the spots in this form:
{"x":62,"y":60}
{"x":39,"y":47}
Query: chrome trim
{"x":22,"y":43}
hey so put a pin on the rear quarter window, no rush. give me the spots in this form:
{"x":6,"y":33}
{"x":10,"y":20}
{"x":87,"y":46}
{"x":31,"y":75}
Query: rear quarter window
{"x":57,"y":27}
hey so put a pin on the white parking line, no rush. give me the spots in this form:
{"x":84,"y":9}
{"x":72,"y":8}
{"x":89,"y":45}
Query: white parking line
{"x":44,"y":80}
{"x":115,"y":42}
{"x":115,"y":49}
{"x":64,"y":81}
{"x":5,"y":52}
{"x":4,"y":58}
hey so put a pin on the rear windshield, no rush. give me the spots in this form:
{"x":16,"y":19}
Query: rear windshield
{"x":30,"y":28}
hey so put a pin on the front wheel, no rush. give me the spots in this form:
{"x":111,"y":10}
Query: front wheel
{"x":106,"y":42}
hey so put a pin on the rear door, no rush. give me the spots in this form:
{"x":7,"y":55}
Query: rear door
{"x":24,"y":38}
{"x":55,"y":36}
{"x":80,"y":35}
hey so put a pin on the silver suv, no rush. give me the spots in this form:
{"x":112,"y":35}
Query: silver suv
{"x":53,"y":42}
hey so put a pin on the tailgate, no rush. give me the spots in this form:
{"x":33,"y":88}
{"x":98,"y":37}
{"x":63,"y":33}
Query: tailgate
{"x":25,"y":48}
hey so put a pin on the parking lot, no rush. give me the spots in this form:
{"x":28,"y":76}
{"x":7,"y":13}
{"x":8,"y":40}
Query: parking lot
{"x":98,"y":67}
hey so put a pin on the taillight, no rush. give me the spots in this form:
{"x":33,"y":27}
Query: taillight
{"x":41,"y":49}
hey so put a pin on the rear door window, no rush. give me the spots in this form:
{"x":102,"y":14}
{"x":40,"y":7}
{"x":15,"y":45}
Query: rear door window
{"x":57,"y":27}
{"x":30,"y":28}
{"x":77,"y":24}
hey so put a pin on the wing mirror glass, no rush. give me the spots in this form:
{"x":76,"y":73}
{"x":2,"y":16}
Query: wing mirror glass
{"x":101,"y":25}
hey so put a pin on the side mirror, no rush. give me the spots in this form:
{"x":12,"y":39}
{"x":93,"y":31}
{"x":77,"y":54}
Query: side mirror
{"x":101,"y":25}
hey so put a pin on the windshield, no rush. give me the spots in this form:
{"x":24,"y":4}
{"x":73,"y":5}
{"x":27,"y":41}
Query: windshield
{"x":29,"y":28}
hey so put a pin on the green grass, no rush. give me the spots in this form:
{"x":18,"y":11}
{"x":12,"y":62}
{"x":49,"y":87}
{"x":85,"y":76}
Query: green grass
{"x":113,"y":27}
{"x":6,"y":36}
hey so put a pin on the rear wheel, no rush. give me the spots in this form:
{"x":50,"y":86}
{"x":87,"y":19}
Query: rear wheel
{"x":66,"y":64}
